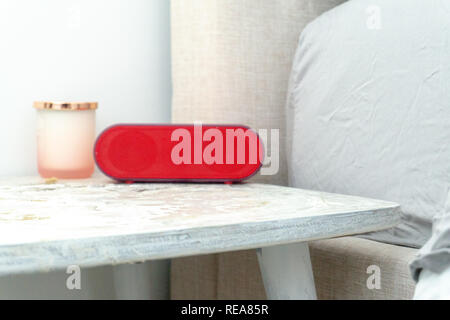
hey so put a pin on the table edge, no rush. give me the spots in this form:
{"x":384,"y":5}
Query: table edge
{"x":120,"y":249}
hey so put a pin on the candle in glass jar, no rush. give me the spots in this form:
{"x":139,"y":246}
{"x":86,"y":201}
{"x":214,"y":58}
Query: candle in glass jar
{"x":65,"y":139}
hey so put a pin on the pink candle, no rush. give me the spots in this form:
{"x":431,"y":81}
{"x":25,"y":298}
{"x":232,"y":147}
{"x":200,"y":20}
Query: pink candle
{"x":65,"y":138}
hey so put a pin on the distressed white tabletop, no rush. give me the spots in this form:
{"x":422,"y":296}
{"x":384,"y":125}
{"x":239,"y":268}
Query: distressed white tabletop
{"x":97,"y":221}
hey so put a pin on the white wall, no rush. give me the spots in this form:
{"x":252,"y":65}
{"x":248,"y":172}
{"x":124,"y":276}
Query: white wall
{"x":116,"y":52}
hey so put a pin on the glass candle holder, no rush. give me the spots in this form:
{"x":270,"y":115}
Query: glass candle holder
{"x":65,"y":139}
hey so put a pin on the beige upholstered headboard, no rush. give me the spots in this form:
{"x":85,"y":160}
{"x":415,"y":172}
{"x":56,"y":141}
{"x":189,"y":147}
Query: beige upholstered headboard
{"x":231,"y":61}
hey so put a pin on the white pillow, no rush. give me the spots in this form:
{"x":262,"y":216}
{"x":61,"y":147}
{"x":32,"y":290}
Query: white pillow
{"x":369,"y":108}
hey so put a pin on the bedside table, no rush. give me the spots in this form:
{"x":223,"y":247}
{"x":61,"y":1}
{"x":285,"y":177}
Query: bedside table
{"x":97,"y":222}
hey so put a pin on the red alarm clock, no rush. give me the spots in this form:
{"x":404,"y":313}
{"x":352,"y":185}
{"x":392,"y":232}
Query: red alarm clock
{"x":197,"y":153}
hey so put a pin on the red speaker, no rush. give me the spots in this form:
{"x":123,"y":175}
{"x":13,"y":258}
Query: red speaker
{"x":198,"y":153}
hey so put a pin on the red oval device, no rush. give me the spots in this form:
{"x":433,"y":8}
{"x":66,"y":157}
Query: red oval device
{"x":179,"y":152}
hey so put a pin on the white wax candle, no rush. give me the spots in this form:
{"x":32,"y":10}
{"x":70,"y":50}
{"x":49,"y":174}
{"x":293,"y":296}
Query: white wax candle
{"x":65,"y":142}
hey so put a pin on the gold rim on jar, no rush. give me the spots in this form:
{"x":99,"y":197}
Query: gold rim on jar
{"x":53,"y":105}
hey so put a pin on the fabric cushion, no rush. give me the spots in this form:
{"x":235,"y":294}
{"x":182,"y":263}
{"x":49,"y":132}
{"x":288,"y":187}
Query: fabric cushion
{"x":435,"y":254}
{"x":231,"y":61}
{"x":194,"y":277}
{"x":369,"y":108}
{"x":433,"y":286}
{"x":339,"y":266}
{"x":343,"y":267}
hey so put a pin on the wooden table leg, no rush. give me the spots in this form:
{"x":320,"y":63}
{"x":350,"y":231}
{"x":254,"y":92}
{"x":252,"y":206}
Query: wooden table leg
{"x":142,"y":281}
{"x":287,"y":272}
